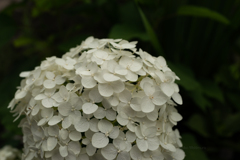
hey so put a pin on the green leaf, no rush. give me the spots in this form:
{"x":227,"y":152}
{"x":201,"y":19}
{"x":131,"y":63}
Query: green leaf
{"x":199,"y":99}
{"x":72,"y":42}
{"x":7,"y":29}
{"x":127,"y":32}
{"x":128,"y":14}
{"x":189,"y":83}
{"x":192,"y":149}
{"x":230,"y":125}
{"x":151,"y":33}
{"x":234,"y":99}
{"x":212,"y":90}
{"x":22,"y":41}
{"x":195,"y":11}
{"x":187,"y":80}
{"x":46,"y":6}
{"x":198,"y":124}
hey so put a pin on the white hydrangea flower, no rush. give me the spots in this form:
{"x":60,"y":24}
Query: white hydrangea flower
{"x":9,"y":153}
{"x":103,"y":100}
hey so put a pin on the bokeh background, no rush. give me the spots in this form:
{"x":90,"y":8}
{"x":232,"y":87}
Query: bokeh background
{"x":200,"y":39}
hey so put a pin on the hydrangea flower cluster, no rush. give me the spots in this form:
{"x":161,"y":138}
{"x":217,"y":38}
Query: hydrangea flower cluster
{"x":103,"y":100}
{"x":9,"y":153}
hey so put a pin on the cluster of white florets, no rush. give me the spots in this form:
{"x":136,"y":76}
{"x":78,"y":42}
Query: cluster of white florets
{"x":9,"y":153}
{"x":102,"y":100}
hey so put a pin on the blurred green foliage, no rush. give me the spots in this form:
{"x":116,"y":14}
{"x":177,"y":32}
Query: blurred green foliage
{"x":200,"y":39}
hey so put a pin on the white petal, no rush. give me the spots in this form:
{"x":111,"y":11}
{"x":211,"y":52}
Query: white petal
{"x":88,"y":82}
{"x":99,"y":140}
{"x":42,"y":122}
{"x":75,"y":147}
{"x":175,"y":116}
{"x":153,"y":143}
{"x":49,"y":84}
{"x":125,"y":96}
{"x":82,"y":157}
{"x":54,"y":120}
{"x":120,"y":70}
{"x":111,"y":114}
{"x":111,"y":65}
{"x":85,"y":73}
{"x":118,"y":86}
{"x":169,"y":147}
{"x":109,"y":152}
{"x":179,"y":154}
{"x":128,"y":45}
{"x":159,"y":98}
{"x":40,"y":97}
{"x":20,"y":94}
{"x":167,"y":89}
{"x":64,"y":93}
{"x":135,"y":153}
{"x":60,"y":61}
{"x":136,"y":104}
{"x":57,"y":97}
{"x":160,"y":75}
{"x":177,"y":98}
{"x":63,"y":134}
{"x":90,"y":149}
{"x":110,"y":77}
{"x":122,"y":121}
{"x":71,"y":155}
{"x":131,"y":136}
{"x":59,"y":80}
{"x":82,"y":126}
{"x":63,"y":151}
{"x":141,"y":72}
{"x":125,"y":61}
{"x":101,"y":54}
{"x":105,"y":90}
{"x":123,"y":156}
{"x":144,"y":80}
{"x":51,"y":143}
{"x":48,"y":102}
{"x":95,"y":96}
{"x":66,"y":122}
{"x":119,"y":144}
{"x":148,"y":89}
{"x":153,"y":115}
{"x":93,"y":125}
{"x":48,"y":112}
{"x":100,"y":113}
{"x":53,"y":130}
{"x":136,"y":65}
{"x":75,"y":136}
{"x":113,"y":100}
{"x":89,"y":108}
{"x":99,"y":77}
{"x":142,"y":145}
{"x":160,"y":62}
{"x":57,"y":156}
{"x":64,"y":109}
{"x":105,"y":126}
{"x":114,"y":133}
{"x":86,"y":141}
{"x":50,"y":75}
{"x":35,"y":110}
{"x":146,"y":105}
{"x":131,"y":76}
{"x":25,"y":74}
{"x":97,"y":60}
{"x":150,"y":131}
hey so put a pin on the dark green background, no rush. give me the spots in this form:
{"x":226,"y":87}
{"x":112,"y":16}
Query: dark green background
{"x":200,"y":39}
